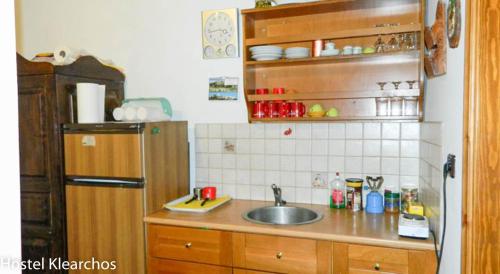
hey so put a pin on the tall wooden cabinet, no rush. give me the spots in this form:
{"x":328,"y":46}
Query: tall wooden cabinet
{"x":47,"y":99}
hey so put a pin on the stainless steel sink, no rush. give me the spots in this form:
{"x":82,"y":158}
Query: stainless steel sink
{"x":282,"y":215}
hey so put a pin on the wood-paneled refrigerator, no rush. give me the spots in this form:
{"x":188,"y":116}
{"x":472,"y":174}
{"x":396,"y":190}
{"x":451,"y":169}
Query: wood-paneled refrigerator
{"x":116,"y":173}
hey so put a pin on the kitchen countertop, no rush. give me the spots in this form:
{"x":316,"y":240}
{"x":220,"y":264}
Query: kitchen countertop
{"x":336,"y":225}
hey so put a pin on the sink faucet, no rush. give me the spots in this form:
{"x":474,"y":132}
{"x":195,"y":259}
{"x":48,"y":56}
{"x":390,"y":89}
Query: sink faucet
{"x":277,"y":196}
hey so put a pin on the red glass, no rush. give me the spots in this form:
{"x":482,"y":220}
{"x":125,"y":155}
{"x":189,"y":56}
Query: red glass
{"x":260,"y":110}
{"x":273,"y":110}
{"x":278,"y":90}
{"x":284,"y":110}
{"x":297,"y":109}
{"x":261,"y":91}
{"x":209,"y":192}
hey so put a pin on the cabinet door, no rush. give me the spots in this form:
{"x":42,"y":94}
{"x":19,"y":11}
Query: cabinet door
{"x":40,"y":168}
{"x":363,"y":259}
{"x":165,"y":266}
{"x":246,"y":271}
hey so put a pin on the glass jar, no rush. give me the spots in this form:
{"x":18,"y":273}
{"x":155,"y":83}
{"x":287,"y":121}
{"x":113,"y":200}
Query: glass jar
{"x":382,"y":105}
{"x":410,"y":106}
{"x":396,"y":106}
{"x":409,"y":193}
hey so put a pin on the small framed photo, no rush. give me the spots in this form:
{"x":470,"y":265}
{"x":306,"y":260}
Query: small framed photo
{"x":223,"y":89}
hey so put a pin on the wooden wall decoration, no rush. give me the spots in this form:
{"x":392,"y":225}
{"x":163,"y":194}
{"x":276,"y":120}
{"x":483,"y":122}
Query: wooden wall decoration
{"x":435,"y":42}
{"x":454,"y":23}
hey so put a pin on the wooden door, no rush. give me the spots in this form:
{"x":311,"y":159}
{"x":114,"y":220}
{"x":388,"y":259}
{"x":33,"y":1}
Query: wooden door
{"x":41,"y":181}
{"x":481,"y":186}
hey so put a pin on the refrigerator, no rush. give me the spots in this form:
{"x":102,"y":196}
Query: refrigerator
{"x":116,"y":174}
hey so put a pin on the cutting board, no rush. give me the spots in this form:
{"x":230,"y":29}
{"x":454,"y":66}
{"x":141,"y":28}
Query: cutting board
{"x":195,"y":206}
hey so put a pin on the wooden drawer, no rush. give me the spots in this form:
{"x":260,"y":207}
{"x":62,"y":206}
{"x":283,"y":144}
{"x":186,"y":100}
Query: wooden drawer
{"x":164,"y":266}
{"x":190,"y":244}
{"x":276,"y":254}
{"x":90,"y":155}
{"x":365,"y":259}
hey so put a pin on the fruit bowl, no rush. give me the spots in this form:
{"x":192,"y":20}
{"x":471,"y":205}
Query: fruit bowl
{"x":316,"y":114}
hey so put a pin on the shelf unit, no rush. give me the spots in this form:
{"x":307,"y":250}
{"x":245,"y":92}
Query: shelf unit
{"x":347,"y":82}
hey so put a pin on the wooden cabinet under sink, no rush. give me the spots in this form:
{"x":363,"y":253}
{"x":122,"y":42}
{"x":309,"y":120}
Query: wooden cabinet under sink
{"x":182,"y":250}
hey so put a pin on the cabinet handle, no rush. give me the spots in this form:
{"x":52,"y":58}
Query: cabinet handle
{"x":279,"y":255}
{"x":188,"y":245}
{"x":377,"y":266}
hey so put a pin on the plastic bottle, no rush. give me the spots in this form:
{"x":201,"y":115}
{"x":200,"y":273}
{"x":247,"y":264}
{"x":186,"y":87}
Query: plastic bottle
{"x":337,"y":192}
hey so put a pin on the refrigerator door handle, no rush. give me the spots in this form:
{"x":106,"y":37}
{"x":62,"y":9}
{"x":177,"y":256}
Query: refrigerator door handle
{"x":135,"y":183}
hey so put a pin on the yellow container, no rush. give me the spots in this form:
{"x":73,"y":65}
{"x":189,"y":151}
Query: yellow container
{"x":416,"y":208}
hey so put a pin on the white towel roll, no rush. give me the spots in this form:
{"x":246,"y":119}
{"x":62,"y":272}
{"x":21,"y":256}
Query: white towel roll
{"x":118,"y":114}
{"x":151,"y":114}
{"x":130,"y":113}
{"x":89,"y":103}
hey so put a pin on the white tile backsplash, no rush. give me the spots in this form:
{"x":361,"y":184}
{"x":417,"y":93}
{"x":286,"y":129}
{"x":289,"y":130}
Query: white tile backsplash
{"x":320,"y":131}
{"x":265,"y":155}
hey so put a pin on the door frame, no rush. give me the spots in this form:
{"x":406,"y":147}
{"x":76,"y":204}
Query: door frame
{"x":481,"y":165}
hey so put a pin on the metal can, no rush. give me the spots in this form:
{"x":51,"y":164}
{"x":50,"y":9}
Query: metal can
{"x":317,"y":47}
{"x":391,"y":202}
{"x":357,"y":185}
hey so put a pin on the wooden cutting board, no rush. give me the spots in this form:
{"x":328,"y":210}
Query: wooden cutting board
{"x":195,"y":206}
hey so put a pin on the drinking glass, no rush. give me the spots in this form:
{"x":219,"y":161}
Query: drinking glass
{"x":410,"y":106}
{"x":396,"y":106}
{"x":382,"y":105}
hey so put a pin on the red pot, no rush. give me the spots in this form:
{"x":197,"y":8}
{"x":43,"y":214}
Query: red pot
{"x":209,"y":192}
{"x":297,"y":109}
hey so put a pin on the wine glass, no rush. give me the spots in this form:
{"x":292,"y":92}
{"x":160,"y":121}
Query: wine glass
{"x":396,"y":84}
{"x":411,"y":83}
{"x":381,"y":85}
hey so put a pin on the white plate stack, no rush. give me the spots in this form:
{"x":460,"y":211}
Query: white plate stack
{"x":266,"y":53}
{"x":297,"y":52}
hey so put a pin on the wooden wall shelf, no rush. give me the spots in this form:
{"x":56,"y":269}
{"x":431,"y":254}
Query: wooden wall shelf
{"x":348,"y":33}
{"x":334,"y":95}
{"x":348,"y":83}
{"x":333,"y":119}
{"x":412,"y":54}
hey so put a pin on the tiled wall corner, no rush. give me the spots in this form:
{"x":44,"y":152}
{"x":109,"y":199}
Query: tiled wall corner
{"x":430,"y":173}
{"x":243,"y":160}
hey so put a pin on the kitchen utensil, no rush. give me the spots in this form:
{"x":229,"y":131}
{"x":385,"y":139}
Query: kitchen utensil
{"x":413,"y":226}
{"x":357,"y":50}
{"x":273,"y":110}
{"x":411,"y":83}
{"x":396,"y":106}
{"x":284,"y":109}
{"x":379,"y":45}
{"x":209,"y":192}
{"x":198,"y":192}
{"x":330,"y":52}
{"x":348,"y":50}
{"x":396,"y":84}
{"x":297,"y":52}
{"x":410,"y":106}
{"x":259,"y":110}
{"x":195,"y":196}
{"x":382,"y":105}
{"x":374,"y":200}
{"x":297,"y":109}
{"x":262,"y":91}
{"x":393,"y":44}
{"x":381,"y":85}
{"x":317,"y":47}
{"x":330,"y":45}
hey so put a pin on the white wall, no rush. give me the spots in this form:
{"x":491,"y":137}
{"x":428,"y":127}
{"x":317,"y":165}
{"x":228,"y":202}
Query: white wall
{"x":444,"y":103}
{"x":10,"y":230}
{"x":157,"y":42}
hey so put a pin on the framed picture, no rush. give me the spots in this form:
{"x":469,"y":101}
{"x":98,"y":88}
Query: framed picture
{"x":220,"y":34}
{"x":223,"y":89}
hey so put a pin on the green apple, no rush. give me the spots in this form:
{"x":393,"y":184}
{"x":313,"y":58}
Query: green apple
{"x":316,"y":108}
{"x":333,"y":112}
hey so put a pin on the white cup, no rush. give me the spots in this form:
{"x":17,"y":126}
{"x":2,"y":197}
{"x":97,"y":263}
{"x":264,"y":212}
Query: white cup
{"x":330,"y":46}
{"x":357,"y":50}
{"x":347,"y":50}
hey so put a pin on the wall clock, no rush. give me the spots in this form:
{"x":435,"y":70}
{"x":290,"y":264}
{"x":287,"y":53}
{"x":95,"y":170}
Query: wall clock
{"x":220,"y":33}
